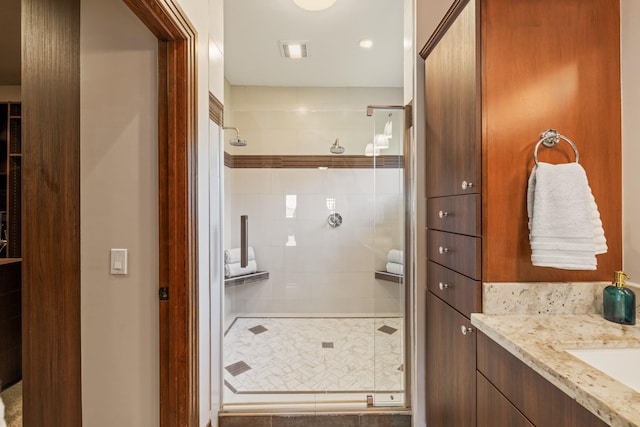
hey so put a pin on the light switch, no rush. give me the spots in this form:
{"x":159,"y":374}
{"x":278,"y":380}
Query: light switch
{"x":118,"y":261}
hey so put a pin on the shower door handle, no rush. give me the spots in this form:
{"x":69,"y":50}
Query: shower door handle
{"x":244,"y":240}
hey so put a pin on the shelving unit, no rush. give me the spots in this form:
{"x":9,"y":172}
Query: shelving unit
{"x":389,"y":277}
{"x":10,"y":179}
{"x":249,"y":278}
{"x":10,"y":244}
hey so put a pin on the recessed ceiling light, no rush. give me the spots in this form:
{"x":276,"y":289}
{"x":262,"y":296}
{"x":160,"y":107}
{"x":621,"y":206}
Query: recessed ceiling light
{"x":293,"y":49}
{"x":366,"y":43}
{"x":314,"y":5}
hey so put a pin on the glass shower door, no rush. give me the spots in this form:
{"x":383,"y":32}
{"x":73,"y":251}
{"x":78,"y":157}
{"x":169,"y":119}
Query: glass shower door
{"x":389,"y":236}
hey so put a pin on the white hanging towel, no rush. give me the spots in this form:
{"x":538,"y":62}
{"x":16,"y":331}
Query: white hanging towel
{"x":565,"y":230}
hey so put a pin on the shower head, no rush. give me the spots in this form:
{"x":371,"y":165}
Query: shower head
{"x":336,"y":148}
{"x":236,"y":142}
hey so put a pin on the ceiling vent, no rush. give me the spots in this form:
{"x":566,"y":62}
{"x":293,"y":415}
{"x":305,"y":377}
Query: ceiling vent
{"x":293,"y":49}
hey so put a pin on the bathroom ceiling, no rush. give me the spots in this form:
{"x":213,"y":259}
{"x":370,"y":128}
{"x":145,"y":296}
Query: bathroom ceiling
{"x":254,"y":27}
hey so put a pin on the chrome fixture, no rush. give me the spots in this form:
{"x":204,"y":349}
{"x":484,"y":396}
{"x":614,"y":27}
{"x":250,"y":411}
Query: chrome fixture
{"x":550,"y":138}
{"x":334,"y":220}
{"x":236,"y":142}
{"x":336,"y":148}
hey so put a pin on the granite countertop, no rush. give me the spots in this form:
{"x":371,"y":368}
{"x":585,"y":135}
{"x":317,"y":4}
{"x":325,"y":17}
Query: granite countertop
{"x":540,"y":340}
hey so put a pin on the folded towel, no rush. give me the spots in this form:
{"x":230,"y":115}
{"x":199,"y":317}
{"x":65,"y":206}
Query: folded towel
{"x":232,"y":256}
{"x":564,"y":222}
{"x":395,"y":268}
{"x":234,"y":270}
{"x":395,"y":255}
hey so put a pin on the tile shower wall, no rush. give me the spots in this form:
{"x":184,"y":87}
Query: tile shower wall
{"x":313,"y":268}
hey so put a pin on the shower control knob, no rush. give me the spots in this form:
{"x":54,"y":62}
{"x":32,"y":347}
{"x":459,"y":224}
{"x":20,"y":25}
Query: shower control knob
{"x":465,"y":330}
{"x":442,"y":250}
{"x":443,"y":286}
{"x":465,"y":185}
{"x":334,"y":220}
{"x":442,"y":214}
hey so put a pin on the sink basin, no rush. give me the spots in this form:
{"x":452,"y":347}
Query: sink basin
{"x":620,"y":364}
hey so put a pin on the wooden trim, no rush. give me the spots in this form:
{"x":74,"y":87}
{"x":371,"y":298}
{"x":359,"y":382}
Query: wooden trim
{"x":51,"y":213}
{"x":178,"y":206}
{"x":312,"y":162}
{"x":443,"y":26}
{"x":216,"y":110}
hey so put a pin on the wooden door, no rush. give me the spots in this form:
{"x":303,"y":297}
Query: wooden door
{"x":453,"y":147}
{"x":450,"y":367}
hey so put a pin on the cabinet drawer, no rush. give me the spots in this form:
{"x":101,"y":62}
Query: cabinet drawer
{"x":458,"y":291}
{"x":458,"y":214}
{"x":455,"y":251}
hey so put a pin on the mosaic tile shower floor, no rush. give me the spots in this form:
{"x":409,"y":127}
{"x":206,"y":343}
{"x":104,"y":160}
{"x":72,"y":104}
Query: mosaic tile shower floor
{"x":311,"y":355}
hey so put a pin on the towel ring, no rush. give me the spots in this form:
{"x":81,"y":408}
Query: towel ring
{"x":550,"y":138}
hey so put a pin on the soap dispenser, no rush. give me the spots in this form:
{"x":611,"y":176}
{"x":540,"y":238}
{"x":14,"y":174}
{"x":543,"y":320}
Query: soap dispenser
{"x":619,"y":302}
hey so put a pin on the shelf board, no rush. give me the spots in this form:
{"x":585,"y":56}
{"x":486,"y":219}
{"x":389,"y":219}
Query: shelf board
{"x":4,"y":261}
{"x":389,"y":277}
{"x":248,"y":278}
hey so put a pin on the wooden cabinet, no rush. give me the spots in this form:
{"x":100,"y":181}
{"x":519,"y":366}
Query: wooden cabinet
{"x":529,"y":394}
{"x":495,"y":410}
{"x":451,"y":364}
{"x":451,"y":85}
{"x":497,"y":74}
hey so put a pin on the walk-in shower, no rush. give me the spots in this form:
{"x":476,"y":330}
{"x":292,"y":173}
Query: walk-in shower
{"x":321,"y":323}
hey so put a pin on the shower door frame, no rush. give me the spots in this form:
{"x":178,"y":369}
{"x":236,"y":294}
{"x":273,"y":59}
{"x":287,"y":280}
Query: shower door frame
{"x":408,"y":246}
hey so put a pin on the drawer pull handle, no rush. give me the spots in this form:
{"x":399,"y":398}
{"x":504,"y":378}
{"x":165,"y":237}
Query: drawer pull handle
{"x":442,"y":214}
{"x":465,"y":185}
{"x":443,"y":286}
{"x":465,"y":330}
{"x":442,"y":250}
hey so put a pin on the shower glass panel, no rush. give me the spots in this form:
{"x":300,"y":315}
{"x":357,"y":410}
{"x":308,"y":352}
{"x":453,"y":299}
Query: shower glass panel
{"x":388,"y":290}
{"x":314,"y":327}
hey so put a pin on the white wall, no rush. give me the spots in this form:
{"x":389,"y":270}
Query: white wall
{"x":630,"y":63}
{"x":328,"y":270}
{"x":119,"y":209}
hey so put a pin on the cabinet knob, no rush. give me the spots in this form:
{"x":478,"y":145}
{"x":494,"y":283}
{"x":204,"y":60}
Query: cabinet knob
{"x":465,"y":185}
{"x":466,"y":330}
{"x":442,"y":250}
{"x":443,"y":286}
{"x":442,"y":214}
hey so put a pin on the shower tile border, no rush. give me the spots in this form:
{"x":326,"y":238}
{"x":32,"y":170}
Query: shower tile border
{"x":312,"y":162}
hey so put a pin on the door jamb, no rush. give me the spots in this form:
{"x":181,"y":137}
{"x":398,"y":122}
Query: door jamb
{"x":177,"y":156}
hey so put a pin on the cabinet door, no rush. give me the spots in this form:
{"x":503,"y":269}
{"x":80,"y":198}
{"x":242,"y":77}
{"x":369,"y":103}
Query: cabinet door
{"x":494,"y":410}
{"x":452,"y":113}
{"x":450,"y":370}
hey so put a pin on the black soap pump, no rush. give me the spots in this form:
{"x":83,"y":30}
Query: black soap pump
{"x":619,"y":302}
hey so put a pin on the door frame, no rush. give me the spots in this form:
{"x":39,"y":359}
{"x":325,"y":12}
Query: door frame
{"x":177,"y":172}
{"x":52,"y":387}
